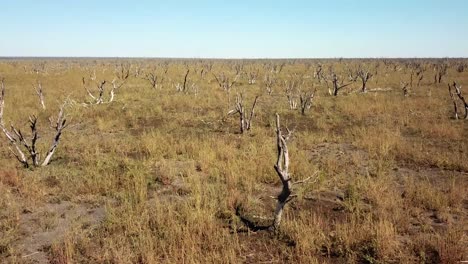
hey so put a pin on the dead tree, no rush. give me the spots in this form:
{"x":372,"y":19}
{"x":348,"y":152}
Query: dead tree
{"x":291,"y":87}
{"x":203,"y":72}
{"x":277,"y":68}
{"x":92,"y":74}
{"x":195,"y":88}
{"x":224,"y":82}
{"x":306,"y":98}
{"x":440,"y":72}
{"x":30,"y":147}
{"x":2,"y":99}
{"x":183,"y":87}
{"x":138,"y":71}
{"x":457,"y":91}
{"x":420,"y":75}
{"x":238,"y":68}
{"x":269,"y":81}
{"x":120,"y":79}
{"x":152,"y":78}
{"x":16,"y":150}
{"x":185,"y":79}
{"x":18,"y":141}
{"x":318,"y":73}
{"x":252,"y":77}
{"x":454,"y":101}
{"x":208,"y":66}
{"x":58,"y":125}
{"x":364,"y":76}
{"x":192,"y":87}
{"x":282,"y":169}
{"x":99,"y":99}
{"x":122,"y":72}
{"x":40,"y":94}
{"x":337,"y":84}
{"x":405,"y":88}
{"x":245,"y":121}
{"x":115,"y":87}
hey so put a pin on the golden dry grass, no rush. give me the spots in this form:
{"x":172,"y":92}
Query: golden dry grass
{"x":169,"y":170}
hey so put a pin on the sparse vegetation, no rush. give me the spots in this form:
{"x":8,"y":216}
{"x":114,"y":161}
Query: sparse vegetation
{"x":162,"y":176}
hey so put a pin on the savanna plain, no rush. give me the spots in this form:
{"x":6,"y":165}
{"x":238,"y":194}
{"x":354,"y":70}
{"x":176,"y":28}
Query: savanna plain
{"x":184,"y":161}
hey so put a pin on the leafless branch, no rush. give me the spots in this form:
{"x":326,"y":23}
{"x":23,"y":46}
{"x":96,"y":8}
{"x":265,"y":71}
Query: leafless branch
{"x":224,"y":82}
{"x":245,"y":122}
{"x":338,"y":84}
{"x":270,"y":81}
{"x":306,"y":98}
{"x":40,"y":94}
{"x":58,"y":125}
{"x":458,"y":92}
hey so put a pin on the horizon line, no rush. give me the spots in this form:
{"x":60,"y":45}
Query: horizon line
{"x":220,"y":58}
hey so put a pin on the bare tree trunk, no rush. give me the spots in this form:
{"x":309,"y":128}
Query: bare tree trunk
{"x":291,"y":93}
{"x":306,"y":101}
{"x":441,"y":71}
{"x":244,"y":123}
{"x":2,"y":100}
{"x":152,"y":78}
{"x":420,"y":78}
{"x":454,"y":101}
{"x":461,"y":97}
{"x":40,"y":94}
{"x":252,"y":113}
{"x":282,"y":169}
{"x":99,"y":98}
{"x":252,"y":77}
{"x":365,"y":76}
{"x":185,"y":80}
{"x":337,"y":86}
{"x":270,"y":81}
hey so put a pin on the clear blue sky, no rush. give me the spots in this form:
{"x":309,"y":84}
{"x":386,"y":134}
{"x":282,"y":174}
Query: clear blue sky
{"x":235,"y":29}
